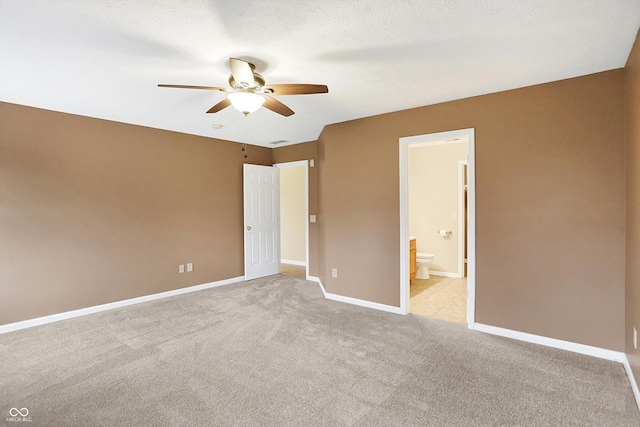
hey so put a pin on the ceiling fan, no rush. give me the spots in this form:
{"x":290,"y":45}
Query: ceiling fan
{"x":248,"y":91}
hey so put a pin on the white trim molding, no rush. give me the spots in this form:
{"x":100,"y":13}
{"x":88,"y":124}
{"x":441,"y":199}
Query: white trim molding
{"x":317,"y":280}
{"x":632,"y":380}
{"x":444,"y":273}
{"x":355,"y":301}
{"x":601,"y":353}
{"x":292,"y":262}
{"x":462,"y":216}
{"x":10,"y":327}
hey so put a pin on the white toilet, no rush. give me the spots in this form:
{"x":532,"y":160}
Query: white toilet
{"x":423,"y":259}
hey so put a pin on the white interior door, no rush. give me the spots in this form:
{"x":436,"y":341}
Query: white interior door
{"x":261,"y":221}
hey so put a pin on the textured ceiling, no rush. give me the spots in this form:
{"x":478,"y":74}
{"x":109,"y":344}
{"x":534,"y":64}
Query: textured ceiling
{"x":104,"y":58}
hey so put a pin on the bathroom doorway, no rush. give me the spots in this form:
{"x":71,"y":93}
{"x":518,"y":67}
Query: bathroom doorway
{"x":437,"y":221}
{"x":294,"y":230}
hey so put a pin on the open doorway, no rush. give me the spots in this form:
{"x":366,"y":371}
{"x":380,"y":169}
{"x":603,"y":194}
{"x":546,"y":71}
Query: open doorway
{"x":437,"y":224}
{"x":294,"y":230}
{"x":438,"y":288}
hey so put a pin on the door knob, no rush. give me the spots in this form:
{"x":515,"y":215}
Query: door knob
{"x":248,"y":227}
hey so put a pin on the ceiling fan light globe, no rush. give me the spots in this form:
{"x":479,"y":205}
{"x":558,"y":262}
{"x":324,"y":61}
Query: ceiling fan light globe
{"x":246,"y":102}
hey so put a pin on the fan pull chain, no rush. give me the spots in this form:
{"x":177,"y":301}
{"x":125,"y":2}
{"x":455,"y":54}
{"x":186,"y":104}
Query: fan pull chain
{"x":244,"y":129}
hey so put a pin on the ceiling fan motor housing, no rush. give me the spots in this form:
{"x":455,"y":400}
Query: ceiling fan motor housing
{"x":258,"y":80}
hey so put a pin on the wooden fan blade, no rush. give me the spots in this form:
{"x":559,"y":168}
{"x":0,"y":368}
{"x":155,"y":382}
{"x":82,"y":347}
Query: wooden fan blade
{"x":242,"y":72}
{"x":277,"y":106}
{"x":295,"y":89}
{"x":195,"y":87}
{"x":219,"y":106}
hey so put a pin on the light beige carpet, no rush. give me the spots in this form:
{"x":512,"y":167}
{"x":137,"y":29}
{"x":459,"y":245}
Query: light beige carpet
{"x":274,"y":352}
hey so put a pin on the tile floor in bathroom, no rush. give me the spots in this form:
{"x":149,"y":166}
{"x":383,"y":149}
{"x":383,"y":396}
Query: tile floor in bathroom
{"x":440,"y":297}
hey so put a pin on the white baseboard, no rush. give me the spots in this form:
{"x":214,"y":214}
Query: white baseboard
{"x":601,"y":353}
{"x":632,"y":380}
{"x":292,"y":262}
{"x":10,"y":327}
{"x":355,"y":301}
{"x":444,"y":273}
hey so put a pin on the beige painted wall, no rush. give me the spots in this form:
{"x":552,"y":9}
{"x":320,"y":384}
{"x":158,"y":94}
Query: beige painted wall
{"x":550,"y":205}
{"x":292,"y":214}
{"x":632,"y":277}
{"x":433,"y":199}
{"x":93,"y":211}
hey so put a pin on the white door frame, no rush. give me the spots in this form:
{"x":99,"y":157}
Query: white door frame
{"x":461,"y":216}
{"x":304,"y":163}
{"x":404,"y":144}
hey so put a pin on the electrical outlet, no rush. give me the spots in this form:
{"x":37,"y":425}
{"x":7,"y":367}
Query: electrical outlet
{"x":189,"y":267}
{"x":334,"y":272}
{"x":181,"y":268}
{"x":635,"y":338}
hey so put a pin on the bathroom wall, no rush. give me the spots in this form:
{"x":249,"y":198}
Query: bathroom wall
{"x":292,"y":214}
{"x":433,"y":201}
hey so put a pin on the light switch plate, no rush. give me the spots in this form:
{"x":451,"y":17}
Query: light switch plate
{"x":312,"y":163}
{"x":181,"y":268}
{"x":189,"y":267}
{"x":312,"y":218}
